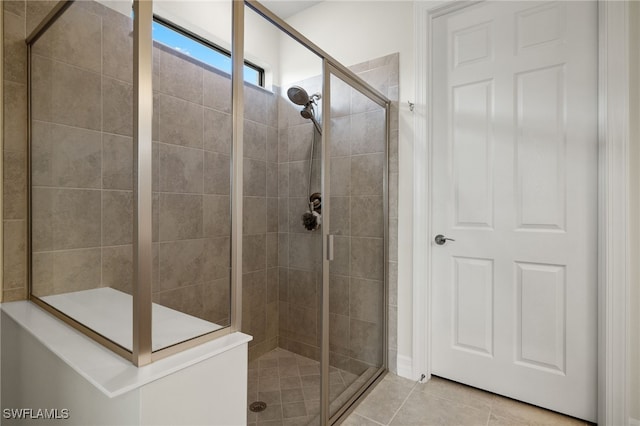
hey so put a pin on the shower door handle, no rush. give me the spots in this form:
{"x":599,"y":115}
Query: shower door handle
{"x":329,"y":247}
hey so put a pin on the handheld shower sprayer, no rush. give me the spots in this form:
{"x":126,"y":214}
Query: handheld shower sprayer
{"x":312,"y":219}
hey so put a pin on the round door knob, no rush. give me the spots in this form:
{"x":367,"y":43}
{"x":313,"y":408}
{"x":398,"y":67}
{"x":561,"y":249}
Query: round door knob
{"x":441,"y":239}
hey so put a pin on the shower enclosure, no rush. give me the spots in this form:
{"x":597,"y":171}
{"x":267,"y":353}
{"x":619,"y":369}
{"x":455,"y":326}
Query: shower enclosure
{"x":177,"y":196}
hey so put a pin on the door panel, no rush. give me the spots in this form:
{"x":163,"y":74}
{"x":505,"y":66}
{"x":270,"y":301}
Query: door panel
{"x":540,"y":148}
{"x":515,"y":185}
{"x":473,"y":305}
{"x":541,"y":332}
{"x":472,"y":161}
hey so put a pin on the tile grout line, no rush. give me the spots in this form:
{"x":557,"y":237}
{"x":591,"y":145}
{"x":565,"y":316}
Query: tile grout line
{"x":371,"y":420}
{"x":403,"y":402}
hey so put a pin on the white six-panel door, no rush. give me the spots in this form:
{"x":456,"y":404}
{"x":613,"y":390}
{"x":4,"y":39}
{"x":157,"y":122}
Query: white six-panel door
{"x":514,"y":178}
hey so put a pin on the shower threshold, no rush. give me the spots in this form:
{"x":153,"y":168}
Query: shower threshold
{"x":109,"y":312}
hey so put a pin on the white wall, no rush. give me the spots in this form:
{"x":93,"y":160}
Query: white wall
{"x":354,"y":32}
{"x":297,"y":63}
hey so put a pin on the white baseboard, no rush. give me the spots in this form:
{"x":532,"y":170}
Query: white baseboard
{"x":405,"y":367}
{"x":634,"y":422}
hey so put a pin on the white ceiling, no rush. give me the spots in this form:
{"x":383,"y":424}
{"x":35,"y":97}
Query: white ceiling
{"x":287,"y":8}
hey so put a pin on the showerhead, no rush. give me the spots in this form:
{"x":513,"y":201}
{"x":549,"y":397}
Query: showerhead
{"x":298,"y":95}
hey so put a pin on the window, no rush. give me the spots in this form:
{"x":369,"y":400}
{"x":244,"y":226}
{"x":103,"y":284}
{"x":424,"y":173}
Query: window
{"x":202,"y":50}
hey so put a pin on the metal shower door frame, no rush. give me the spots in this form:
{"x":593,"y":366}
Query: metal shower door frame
{"x":330,"y":70}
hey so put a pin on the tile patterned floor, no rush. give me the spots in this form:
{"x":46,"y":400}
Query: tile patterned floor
{"x":290,"y":385}
{"x":398,"y":401}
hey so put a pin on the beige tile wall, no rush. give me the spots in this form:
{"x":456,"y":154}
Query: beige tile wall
{"x":300,"y":262}
{"x":81,"y":154}
{"x":14,"y":151}
{"x":20,"y":19}
{"x":192,"y":186}
{"x":260,"y":226}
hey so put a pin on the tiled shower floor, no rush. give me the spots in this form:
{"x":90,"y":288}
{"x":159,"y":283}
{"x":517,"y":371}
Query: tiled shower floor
{"x":290,"y":385}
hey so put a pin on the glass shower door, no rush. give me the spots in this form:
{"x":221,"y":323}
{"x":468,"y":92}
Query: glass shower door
{"x":356,"y":178}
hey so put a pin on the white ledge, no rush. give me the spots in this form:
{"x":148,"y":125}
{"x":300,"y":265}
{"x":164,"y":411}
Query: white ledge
{"x":109,"y":312}
{"x":110,"y":373}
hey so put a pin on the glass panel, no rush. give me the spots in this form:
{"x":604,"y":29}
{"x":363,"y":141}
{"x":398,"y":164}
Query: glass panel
{"x":192,"y":141}
{"x":82,"y":167}
{"x":357,"y":221}
{"x":282,"y":279}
